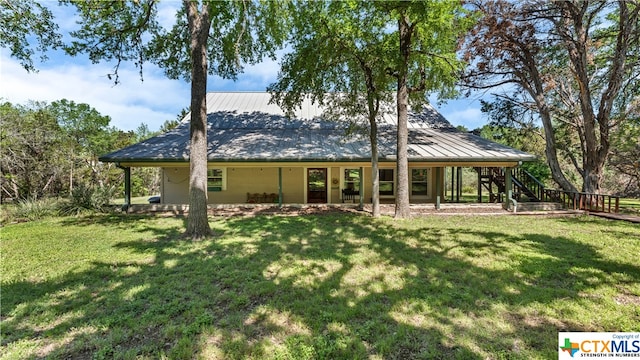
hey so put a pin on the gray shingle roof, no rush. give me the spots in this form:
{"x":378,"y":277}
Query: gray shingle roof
{"x":245,"y":127}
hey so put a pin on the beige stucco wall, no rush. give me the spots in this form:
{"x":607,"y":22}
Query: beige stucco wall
{"x":240,"y":180}
{"x":175,"y":185}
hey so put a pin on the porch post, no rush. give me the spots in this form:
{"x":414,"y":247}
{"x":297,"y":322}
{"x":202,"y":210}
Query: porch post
{"x":127,"y":189}
{"x":453,"y":173}
{"x":508,"y":187}
{"x":280,"y":187}
{"x":438,"y":180}
{"x":479,"y":185}
{"x":458,"y":184}
{"x":361,"y":190}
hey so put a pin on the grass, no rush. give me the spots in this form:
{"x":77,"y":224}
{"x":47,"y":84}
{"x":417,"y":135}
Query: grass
{"x":338,"y":286}
{"x":134,"y":200}
{"x":630,"y":206}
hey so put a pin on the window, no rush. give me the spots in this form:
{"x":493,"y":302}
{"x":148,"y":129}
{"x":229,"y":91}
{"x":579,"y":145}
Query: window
{"x":419,"y":181}
{"x":352,"y":180}
{"x":215,"y":180}
{"x":386,"y":182}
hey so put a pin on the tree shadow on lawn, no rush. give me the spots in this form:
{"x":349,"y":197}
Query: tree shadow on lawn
{"x":342,"y":286}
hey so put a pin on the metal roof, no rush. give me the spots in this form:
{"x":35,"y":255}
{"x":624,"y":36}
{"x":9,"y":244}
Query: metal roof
{"x":244,"y":126}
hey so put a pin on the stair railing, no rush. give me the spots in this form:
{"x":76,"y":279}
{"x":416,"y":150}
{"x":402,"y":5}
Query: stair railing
{"x":530,"y":183}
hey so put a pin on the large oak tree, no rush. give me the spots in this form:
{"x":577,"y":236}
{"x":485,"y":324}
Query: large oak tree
{"x":423,"y":61}
{"x":575,"y":64}
{"x":365,"y":50}
{"x":336,"y":60}
{"x":209,"y":37}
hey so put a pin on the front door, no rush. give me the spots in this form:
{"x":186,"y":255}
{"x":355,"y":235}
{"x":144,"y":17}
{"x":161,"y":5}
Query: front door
{"x":317,"y":185}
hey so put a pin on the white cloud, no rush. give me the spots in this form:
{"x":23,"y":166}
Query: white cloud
{"x":129,"y":104}
{"x":254,"y":78}
{"x":167,"y":11}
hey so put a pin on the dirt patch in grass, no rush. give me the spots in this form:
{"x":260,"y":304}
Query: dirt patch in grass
{"x":625,"y":297}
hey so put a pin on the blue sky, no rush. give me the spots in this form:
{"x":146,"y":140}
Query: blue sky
{"x":153,"y":100}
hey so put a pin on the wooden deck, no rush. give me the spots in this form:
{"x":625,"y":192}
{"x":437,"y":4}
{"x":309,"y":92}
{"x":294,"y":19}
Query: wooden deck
{"x":631,"y":218}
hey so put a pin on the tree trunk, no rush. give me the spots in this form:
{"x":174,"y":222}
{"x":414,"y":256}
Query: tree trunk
{"x":199,"y":24}
{"x":536,"y":91}
{"x":375,"y":174}
{"x":550,"y":146}
{"x":402,"y":192}
{"x":373,"y":106}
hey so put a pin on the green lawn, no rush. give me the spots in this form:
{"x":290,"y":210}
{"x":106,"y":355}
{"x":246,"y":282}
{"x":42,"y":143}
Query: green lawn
{"x":331,"y":286}
{"x":630,"y":206}
{"x":134,"y":200}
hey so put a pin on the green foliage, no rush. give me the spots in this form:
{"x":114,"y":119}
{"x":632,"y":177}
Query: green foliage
{"x":34,"y":151}
{"x":33,"y":209}
{"x":144,"y":181}
{"x":539,"y":169}
{"x":22,"y":21}
{"x":571,"y":65}
{"x":86,"y":198}
{"x":336,"y":43}
{"x":625,"y":157}
{"x":143,"y":133}
{"x":436,"y":29}
{"x":513,"y":126}
{"x":128,"y":31}
{"x":102,"y":35}
{"x":209,"y":37}
{"x":169,"y":125}
{"x":87,"y":129}
{"x":49,"y":148}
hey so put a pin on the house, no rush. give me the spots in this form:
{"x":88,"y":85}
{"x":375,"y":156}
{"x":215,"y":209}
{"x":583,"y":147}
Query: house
{"x":257,"y":154}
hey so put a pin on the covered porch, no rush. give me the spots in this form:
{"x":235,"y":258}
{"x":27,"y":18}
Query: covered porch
{"x":330,"y":183}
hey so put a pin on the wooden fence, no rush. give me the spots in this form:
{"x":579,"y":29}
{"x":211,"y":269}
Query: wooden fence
{"x":584,"y":201}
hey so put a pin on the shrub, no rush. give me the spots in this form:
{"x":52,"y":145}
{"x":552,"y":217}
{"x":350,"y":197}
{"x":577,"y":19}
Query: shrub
{"x":33,"y":209}
{"x":86,"y":199}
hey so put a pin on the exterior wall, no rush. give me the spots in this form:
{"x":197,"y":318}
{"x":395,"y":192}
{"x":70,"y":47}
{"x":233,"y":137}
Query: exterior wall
{"x":239,"y":181}
{"x":242,"y":180}
{"x":175,"y":185}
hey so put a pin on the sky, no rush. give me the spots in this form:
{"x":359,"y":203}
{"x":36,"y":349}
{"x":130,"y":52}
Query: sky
{"x":155,"y":98}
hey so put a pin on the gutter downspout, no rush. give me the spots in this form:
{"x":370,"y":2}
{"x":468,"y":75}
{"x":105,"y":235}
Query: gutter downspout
{"x":127,"y":187}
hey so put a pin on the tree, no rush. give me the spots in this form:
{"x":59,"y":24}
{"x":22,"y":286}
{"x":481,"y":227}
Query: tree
{"x":87,"y":132}
{"x":223,"y":34}
{"x":349,"y":48}
{"x":625,"y":156}
{"x":50,"y":148}
{"x":33,"y":156}
{"x":335,"y":61}
{"x":574,"y":63}
{"x":510,"y":125}
{"x":22,"y":20}
{"x":424,"y":60}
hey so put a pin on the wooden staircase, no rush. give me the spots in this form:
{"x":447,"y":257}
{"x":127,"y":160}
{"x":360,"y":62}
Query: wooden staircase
{"x":523,"y":184}
{"x":539,"y":198}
